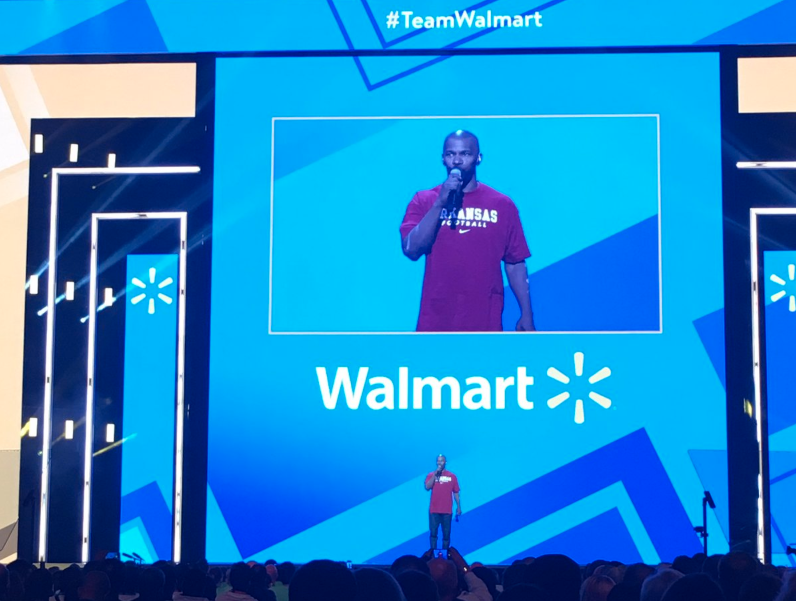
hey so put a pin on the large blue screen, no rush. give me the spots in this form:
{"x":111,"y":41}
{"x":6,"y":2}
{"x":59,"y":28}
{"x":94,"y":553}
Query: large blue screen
{"x":604,"y":428}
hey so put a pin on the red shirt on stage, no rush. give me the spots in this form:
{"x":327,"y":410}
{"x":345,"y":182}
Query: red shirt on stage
{"x":441,"y":493}
{"x":463,"y":282}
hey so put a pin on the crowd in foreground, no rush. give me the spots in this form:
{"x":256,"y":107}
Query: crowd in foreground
{"x":732,"y":577}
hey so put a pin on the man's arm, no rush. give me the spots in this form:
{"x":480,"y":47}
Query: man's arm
{"x":419,"y":241}
{"x":430,"y":481}
{"x":476,"y":589}
{"x":517,"y":274}
{"x":458,"y":503}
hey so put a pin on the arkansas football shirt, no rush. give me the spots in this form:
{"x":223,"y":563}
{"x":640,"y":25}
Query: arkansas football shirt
{"x":463,"y":281}
{"x":441,"y":493}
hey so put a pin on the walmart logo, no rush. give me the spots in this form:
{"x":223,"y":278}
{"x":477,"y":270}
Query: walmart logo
{"x":783,"y":293}
{"x":151,"y":291}
{"x":597,"y":376}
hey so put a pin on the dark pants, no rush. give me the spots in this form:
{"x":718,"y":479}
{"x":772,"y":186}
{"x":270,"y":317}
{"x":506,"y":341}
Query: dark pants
{"x":435,"y":520}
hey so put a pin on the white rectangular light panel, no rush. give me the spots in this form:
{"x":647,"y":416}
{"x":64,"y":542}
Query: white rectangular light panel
{"x":33,"y":427}
{"x":108,"y":300}
{"x":70,"y":291}
{"x":69,"y":429}
{"x":112,"y":160}
{"x":33,"y":284}
{"x":110,"y":433}
{"x":38,"y":143}
{"x":73,"y":153}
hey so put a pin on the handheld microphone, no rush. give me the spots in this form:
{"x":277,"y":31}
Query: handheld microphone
{"x":455,"y":198}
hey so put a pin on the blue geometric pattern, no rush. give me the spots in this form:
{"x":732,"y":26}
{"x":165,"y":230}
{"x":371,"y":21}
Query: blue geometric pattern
{"x":631,"y":460}
{"x":127,"y":28}
{"x":148,"y":505}
{"x":782,"y":482}
{"x":603,"y":299}
{"x":139,"y":26}
{"x":770,"y":26}
{"x":711,"y":332}
{"x":711,"y":466}
{"x":588,"y":541}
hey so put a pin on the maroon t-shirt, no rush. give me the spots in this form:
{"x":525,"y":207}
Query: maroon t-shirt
{"x":441,"y":494}
{"x":463,"y":283}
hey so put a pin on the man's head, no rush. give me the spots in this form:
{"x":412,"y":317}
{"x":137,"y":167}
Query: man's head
{"x":322,"y":579}
{"x":408,"y":562}
{"x":734,"y":570}
{"x":377,"y":585}
{"x":240,"y":576}
{"x":193,"y":583}
{"x":441,"y":462}
{"x":38,"y":585}
{"x":150,"y":585}
{"x":445,"y":575}
{"x":418,"y":586}
{"x":557,"y":574}
{"x":461,"y":151}
{"x":96,"y":586}
{"x":655,"y":586}
{"x":285,"y":572}
{"x":694,"y":587}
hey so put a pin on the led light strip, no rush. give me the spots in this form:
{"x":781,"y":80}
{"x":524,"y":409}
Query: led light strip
{"x":766,"y":165}
{"x":89,"y":452}
{"x":44,"y":496}
{"x":762,"y":495}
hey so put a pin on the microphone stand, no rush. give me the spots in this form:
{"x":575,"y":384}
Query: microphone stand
{"x":703,"y":529}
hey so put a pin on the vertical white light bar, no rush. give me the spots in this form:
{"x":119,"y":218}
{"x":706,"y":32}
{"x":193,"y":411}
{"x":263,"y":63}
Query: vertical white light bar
{"x":108,"y":300}
{"x":33,"y":427}
{"x":44,"y":498}
{"x":38,"y":143}
{"x":89,"y":443}
{"x":110,"y":433}
{"x":178,"y":455}
{"x":70,"y":291}
{"x":33,"y":284}
{"x":73,"y":149}
{"x":69,"y":429}
{"x":761,"y":500}
{"x":112,"y":160}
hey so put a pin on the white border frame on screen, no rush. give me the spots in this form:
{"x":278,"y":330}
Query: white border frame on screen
{"x":762,"y":484}
{"x":182,"y":217}
{"x":413,"y":333}
{"x":44,"y":496}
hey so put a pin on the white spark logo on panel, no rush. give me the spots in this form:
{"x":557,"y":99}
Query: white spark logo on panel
{"x":153,"y":293}
{"x":782,"y":293}
{"x":597,"y":376}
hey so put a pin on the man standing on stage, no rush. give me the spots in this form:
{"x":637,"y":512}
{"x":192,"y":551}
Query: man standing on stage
{"x":466,"y":230}
{"x":442,"y":485}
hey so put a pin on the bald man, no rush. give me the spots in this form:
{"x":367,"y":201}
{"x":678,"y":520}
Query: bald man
{"x":443,"y":484}
{"x":465,"y":230}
